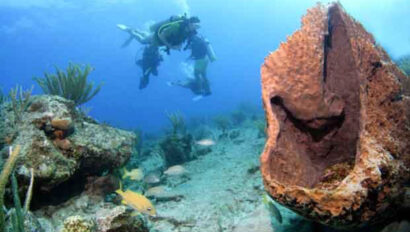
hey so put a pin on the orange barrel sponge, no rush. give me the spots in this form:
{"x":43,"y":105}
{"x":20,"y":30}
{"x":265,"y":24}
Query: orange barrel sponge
{"x":338,"y":146}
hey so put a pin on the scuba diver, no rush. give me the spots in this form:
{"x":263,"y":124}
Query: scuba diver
{"x":201,"y":52}
{"x":168,"y":34}
{"x":171,"y":33}
{"x":151,"y":58}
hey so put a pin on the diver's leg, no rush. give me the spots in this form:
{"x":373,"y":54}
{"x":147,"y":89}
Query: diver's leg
{"x":205,"y":87}
{"x":144,"y":80}
{"x":140,"y":36}
{"x":184,"y":84}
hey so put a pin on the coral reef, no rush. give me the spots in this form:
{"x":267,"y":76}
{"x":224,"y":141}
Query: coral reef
{"x":71,"y":84}
{"x":260,"y":124}
{"x":177,"y":144}
{"x":3,"y":97}
{"x":119,"y":219}
{"x":7,"y":169}
{"x":60,"y":144}
{"x":404,"y":64}
{"x":177,"y":123}
{"x":176,"y":148}
{"x":86,"y":213}
{"x":338,"y":115}
{"x":222,"y":122}
{"x":77,"y":224}
{"x":20,"y":100}
{"x":238,"y":117}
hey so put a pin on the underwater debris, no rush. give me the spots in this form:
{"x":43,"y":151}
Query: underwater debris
{"x":71,"y":84}
{"x":137,"y":201}
{"x":331,"y":96}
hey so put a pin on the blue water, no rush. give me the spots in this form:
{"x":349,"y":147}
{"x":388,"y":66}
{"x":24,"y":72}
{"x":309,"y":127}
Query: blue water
{"x":35,"y":35}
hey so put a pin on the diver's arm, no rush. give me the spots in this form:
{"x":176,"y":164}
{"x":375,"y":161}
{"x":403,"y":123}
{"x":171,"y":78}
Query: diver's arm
{"x":210,"y":51}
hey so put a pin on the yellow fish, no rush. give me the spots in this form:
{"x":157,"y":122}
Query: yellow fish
{"x":137,"y":201}
{"x":134,"y":174}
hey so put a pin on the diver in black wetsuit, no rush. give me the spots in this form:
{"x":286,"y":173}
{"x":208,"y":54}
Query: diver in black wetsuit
{"x":151,"y":59}
{"x":168,"y":34}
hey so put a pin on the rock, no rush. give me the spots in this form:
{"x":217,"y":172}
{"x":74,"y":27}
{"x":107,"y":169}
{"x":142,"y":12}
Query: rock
{"x":234,"y":134}
{"x":46,"y":225}
{"x":401,"y":226}
{"x":78,"y":224}
{"x":63,"y":144}
{"x":31,"y":223}
{"x":118,"y":219}
{"x":337,"y":150}
{"x":60,"y":143}
{"x":61,"y":124}
{"x":176,"y":149}
{"x":90,"y":214}
{"x":101,"y":186}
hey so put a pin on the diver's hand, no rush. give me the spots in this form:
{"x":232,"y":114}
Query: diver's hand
{"x":166,"y":49}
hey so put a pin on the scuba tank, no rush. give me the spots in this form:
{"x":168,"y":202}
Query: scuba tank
{"x":210,"y":51}
{"x":155,"y":27}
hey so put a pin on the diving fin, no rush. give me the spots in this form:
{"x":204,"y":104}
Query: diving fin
{"x":147,"y":72}
{"x":127,"y":42}
{"x":123,"y":27}
{"x":144,"y":82}
{"x":197,"y":98}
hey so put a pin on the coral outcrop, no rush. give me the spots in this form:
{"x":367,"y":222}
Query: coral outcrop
{"x":86,"y":213}
{"x":60,"y":143}
{"x":338,"y":149}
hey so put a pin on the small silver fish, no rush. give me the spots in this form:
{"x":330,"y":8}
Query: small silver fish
{"x":152,"y":178}
{"x":175,"y":170}
{"x":205,"y":142}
